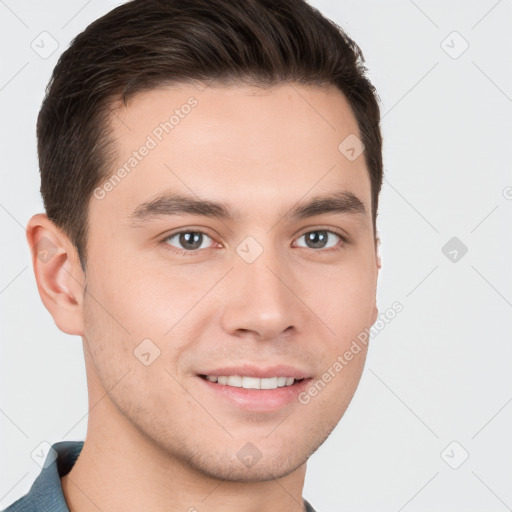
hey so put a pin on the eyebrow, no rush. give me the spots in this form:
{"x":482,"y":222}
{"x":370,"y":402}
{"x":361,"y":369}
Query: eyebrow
{"x":174,"y":203}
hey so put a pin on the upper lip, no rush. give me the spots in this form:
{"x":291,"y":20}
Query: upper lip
{"x":262,"y":372}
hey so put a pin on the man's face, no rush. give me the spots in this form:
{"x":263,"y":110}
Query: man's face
{"x":261,"y":295}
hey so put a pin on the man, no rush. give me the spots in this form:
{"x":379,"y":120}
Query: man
{"x":210,"y":173}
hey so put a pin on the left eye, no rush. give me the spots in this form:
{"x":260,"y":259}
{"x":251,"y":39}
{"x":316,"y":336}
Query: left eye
{"x":317,"y":239}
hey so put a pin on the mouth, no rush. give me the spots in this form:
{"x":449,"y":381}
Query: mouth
{"x":253,"y":389}
{"x":246,"y":382}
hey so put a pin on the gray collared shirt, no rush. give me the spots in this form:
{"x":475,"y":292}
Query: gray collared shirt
{"x":46,"y":494}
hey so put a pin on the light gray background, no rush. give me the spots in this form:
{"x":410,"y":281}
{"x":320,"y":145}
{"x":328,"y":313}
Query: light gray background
{"x":439,"y":372}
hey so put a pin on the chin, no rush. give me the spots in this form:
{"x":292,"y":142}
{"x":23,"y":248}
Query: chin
{"x":264,"y":470}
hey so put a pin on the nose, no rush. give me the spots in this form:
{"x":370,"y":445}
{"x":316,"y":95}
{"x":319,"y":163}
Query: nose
{"x":262,"y":298}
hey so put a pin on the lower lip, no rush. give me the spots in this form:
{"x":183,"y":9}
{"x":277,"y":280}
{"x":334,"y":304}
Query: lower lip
{"x":257,"y":400}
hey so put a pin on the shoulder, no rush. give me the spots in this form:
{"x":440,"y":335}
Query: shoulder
{"x":45,"y":494}
{"x":24,"y":504}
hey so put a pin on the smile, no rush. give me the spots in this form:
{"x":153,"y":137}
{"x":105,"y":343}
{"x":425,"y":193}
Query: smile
{"x":239,"y":381}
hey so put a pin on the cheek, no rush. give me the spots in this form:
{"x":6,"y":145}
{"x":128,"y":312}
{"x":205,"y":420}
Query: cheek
{"x":129,"y":357}
{"x":345,"y":308}
{"x":343,"y":298}
{"x":141,"y":300}
{"x":136,"y":309}
{"x":106,"y":342}
{"x":344,"y":302}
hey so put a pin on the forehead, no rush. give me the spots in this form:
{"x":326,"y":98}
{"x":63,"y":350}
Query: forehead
{"x":239,"y":144}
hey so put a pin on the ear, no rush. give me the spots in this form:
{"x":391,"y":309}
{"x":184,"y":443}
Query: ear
{"x":378,"y":262}
{"x":377,"y":245}
{"x":59,"y":275}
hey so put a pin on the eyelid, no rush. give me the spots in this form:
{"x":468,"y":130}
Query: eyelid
{"x":337,"y":231}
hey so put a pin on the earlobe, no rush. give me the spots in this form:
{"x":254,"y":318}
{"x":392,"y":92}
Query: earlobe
{"x":377,"y":245}
{"x":59,"y":276}
{"x":375,"y":313}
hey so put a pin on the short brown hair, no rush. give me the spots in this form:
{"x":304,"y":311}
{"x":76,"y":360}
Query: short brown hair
{"x":144,"y":44}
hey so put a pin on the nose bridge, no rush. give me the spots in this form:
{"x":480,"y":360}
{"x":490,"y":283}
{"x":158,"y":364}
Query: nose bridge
{"x":265,"y":277}
{"x":258,"y":299}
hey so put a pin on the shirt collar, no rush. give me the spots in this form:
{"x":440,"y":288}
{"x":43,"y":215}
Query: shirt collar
{"x":46,"y":491}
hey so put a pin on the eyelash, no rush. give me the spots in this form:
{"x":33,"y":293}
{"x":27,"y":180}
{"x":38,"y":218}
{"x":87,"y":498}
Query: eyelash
{"x":188,"y":252}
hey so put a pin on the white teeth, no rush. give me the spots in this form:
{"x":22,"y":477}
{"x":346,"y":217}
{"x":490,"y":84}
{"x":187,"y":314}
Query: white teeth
{"x":269,"y":383}
{"x":281,"y":382}
{"x":235,"y":381}
{"x":251,"y":382}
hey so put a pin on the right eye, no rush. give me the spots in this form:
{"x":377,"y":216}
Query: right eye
{"x":186,"y":242}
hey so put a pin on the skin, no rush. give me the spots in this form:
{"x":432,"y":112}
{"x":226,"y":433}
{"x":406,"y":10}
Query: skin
{"x":157,"y":438}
